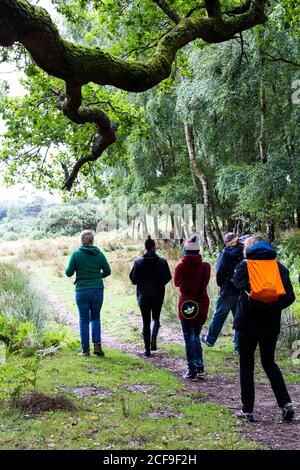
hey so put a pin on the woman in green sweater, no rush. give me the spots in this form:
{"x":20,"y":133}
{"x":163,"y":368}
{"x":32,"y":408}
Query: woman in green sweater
{"x":91,"y":267}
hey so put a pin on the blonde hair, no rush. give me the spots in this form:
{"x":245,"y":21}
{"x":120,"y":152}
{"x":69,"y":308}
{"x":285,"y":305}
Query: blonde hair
{"x":87,"y":237}
{"x":233,"y":242}
{"x":251,"y":241}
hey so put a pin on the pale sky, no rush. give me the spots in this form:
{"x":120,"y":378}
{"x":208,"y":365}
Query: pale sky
{"x":8,"y":72}
{"x":25,"y":192}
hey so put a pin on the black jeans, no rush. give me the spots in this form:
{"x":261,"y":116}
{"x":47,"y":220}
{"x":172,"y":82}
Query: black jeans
{"x":150,"y":311}
{"x":267,"y":346}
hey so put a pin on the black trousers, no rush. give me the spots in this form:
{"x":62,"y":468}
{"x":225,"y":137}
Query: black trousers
{"x":150,"y":312}
{"x":267,"y":346}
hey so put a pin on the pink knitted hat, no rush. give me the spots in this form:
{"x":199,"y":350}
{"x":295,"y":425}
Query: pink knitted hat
{"x":192,"y":244}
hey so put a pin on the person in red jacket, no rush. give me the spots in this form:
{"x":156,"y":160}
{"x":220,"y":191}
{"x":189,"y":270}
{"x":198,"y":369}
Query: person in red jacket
{"x":192,"y":277}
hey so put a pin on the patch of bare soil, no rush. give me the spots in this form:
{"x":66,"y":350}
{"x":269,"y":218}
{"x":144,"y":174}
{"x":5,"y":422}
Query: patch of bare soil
{"x":36,"y":403}
{"x":83,"y":391}
{"x":165,"y":414}
{"x":142,"y":388}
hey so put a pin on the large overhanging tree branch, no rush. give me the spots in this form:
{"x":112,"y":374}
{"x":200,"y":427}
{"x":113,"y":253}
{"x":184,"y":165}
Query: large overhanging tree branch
{"x":21,"y":22}
{"x":70,"y":103}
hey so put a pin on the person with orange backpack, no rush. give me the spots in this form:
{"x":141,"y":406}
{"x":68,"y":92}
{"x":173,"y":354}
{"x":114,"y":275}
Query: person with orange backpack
{"x":265,"y":290}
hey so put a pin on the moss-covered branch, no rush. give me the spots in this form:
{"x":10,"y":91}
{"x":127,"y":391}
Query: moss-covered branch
{"x":30,"y":25}
{"x":70,"y":103}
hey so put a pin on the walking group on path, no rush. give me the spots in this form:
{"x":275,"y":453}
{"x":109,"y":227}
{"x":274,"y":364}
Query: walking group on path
{"x":254,"y":286}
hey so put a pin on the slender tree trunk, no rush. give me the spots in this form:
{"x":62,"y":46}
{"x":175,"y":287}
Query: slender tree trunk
{"x":263,"y":148}
{"x":238,"y":227}
{"x":144,"y":225}
{"x":229,"y":224}
{"x":186,"y":232}
{"x":216,"y":224}
{"x":270,"y":231}
{"x":172,"y":154}
{"x":160,"y":156}
{"x":177,"y":229}
{"x":155,"y":226}
{"x":298,"y":217}
{"x":196,"y":170}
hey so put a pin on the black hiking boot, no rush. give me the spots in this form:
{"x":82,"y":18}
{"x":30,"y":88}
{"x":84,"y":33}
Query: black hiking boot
{"x":288,"y":412}
{"x":243,"y":415}
{"x":200,"y":371}
{"x":147,"y":336}
{"x":154,"y":336}
{"x":190,"y":375}
{"x":85,"y":352}
{"x":98,"y":350}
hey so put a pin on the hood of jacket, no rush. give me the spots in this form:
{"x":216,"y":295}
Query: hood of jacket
{"x":261,"y":250}
{"x":90,"y":250}
{"x":192,"y":259}
{"x":234,"y":251}
{"x":150,"y":257}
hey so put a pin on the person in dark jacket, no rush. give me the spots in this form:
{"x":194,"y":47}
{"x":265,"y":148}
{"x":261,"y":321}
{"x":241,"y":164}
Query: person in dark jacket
{"x":150,"y":273}
{"x":258,"y":323}
{"x":91,"y":268}
{"x":192,"y":276}
{"x":229,"y":258}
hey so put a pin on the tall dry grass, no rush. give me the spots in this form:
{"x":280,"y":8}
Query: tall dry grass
{"x":18,"y":298}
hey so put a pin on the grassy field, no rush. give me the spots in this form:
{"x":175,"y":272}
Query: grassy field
{"x":135,"y":406}
{"x":123,"y":402}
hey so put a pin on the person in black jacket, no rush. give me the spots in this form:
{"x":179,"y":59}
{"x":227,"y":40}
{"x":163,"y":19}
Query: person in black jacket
{"x":258,"y":323}
{"x":229,"y":258}
{"x":150,"y":273}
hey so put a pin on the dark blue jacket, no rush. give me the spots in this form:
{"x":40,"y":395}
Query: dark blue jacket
{"x":150,"y":273}
{"x":228,"y":260}
{"x":254,"y":318}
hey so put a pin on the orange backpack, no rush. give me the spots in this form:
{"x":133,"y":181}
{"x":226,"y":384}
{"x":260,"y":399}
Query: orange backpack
{"x":265,"y":280}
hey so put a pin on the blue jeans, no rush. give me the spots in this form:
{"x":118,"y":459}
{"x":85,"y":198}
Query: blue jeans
{"x":89,"y":303}
{"x":193,"y":347}
{"x":224,"y":304}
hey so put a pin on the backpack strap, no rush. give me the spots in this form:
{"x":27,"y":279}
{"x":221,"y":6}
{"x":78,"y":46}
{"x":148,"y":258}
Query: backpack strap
{"x":247,"y":293}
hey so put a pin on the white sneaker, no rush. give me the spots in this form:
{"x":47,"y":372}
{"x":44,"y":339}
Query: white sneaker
{"x":204,"y":340}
